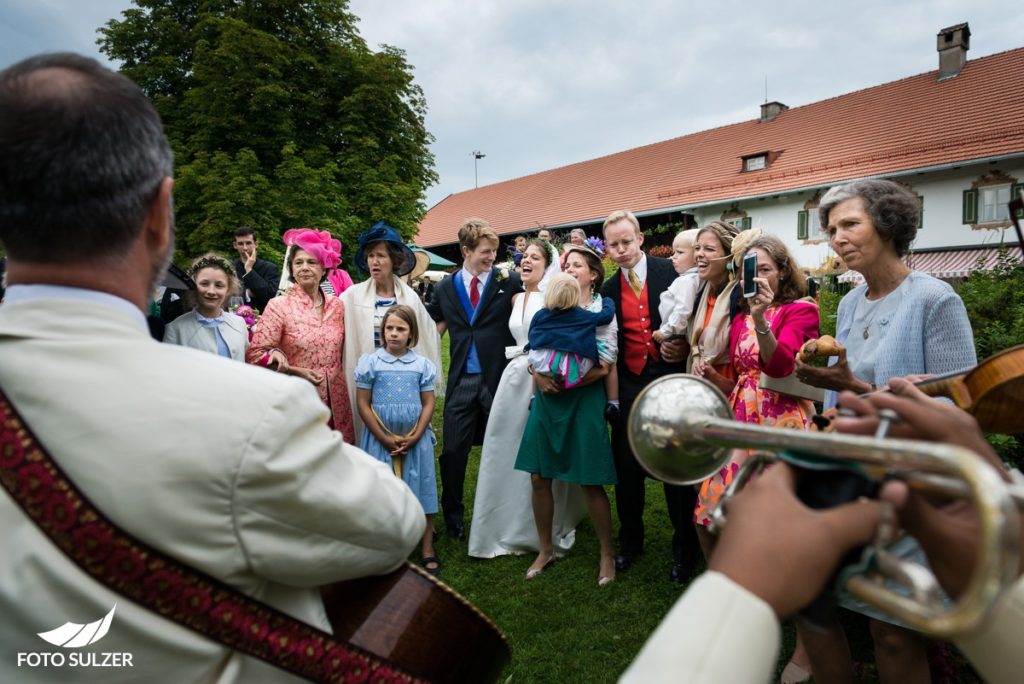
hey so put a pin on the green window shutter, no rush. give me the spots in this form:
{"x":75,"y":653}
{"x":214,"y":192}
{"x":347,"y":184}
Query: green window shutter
{"x":801,"y":224}
{"x":970,"y":206}
{"x":1015,"y":191}
{"x":747,"y":222}
{"x":920,"y":218}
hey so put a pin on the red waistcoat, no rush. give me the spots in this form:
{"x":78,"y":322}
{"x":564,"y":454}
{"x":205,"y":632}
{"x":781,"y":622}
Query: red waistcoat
{"x":637,"y":333}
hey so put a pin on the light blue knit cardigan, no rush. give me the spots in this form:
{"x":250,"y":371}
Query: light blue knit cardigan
{"x":928,"y":332}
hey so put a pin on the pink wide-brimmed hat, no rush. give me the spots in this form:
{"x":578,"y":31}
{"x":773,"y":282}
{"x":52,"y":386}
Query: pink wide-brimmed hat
{"x":318,"y":243}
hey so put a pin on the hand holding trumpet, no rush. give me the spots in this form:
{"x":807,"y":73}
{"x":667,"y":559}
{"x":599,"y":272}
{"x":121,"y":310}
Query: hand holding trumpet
{"x":787,"y":570}
{"x":816,"y":540}
{"x":947,"y":530}
{"x":677,"y":431}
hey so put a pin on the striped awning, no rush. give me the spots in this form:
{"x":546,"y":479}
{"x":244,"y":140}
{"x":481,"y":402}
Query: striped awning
{"x":944,"y":264}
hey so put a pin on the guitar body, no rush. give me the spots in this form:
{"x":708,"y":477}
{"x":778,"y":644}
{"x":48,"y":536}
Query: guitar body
{"x":419,"y":623}
{"x":992,"y":392}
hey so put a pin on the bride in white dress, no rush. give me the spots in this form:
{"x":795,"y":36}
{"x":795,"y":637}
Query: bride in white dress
{"x":502,"y":510}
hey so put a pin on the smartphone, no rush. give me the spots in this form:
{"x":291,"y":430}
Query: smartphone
{"x":749,"y":273}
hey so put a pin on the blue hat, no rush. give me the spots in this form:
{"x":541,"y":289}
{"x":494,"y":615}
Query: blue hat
{"x":382,"y":232}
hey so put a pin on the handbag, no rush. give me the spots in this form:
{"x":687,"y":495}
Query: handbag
{"x":792,"y":387}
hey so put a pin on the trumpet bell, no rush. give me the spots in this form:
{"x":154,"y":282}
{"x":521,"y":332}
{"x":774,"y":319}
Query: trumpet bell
{"x":666,"y":425}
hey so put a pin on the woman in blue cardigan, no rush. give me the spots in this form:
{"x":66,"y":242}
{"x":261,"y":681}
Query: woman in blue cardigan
{"x":900,"y":322}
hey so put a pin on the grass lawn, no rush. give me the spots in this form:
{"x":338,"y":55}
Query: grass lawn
{"x":562,"y":627}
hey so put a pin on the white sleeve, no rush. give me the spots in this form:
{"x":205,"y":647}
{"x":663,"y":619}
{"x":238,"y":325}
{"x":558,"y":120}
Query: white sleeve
{"x":697,"y":641}
{"x":683,"y":294}
{"x":538,"y":360}
{"x":607,"y":337}
{"x":995,"y":649}
{"x":666,"y":307}
{"x":310,"y":509}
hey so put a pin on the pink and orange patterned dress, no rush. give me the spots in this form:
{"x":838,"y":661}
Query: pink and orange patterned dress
{"x":293,"y":324}
{"x":792,"y":324}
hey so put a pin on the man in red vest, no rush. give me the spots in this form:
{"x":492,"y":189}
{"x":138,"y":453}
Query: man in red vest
{"x":636,"y":289}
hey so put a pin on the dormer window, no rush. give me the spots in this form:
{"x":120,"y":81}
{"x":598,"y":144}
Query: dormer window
{"x":760,"y":160}
{"x":755,"y":162}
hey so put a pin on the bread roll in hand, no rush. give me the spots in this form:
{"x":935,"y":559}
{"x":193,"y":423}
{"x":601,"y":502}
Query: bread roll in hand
{"x":822,"y":347}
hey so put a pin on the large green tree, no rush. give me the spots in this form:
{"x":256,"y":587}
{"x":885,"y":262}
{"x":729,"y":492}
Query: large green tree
{"x":279,"y":116}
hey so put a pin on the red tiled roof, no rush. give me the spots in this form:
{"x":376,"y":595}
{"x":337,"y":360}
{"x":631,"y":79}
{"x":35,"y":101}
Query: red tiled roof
{"x":947,"y":263}
{"x":913,"y":123}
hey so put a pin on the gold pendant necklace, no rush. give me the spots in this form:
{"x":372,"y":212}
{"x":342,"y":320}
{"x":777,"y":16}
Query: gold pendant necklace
{"x":867,"y":323}
{"x":878,"y":304}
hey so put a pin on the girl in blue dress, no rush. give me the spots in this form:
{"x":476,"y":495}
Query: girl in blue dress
{"x":395,"y":399}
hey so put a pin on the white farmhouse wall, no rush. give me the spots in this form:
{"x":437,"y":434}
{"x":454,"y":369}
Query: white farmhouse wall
{"x":943,"y":212}
{"x":943,"y":208}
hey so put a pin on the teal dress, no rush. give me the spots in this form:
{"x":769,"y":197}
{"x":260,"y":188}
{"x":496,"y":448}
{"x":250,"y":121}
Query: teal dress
{"x":566,"y":437}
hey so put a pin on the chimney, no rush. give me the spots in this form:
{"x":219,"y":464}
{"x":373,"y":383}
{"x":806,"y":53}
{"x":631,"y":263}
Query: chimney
{"x":770,"y":110}
{"x":953,"y":44}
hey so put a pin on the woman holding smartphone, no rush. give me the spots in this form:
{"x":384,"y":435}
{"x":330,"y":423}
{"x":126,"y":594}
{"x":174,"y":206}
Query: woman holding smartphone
{"x":772,"y":325}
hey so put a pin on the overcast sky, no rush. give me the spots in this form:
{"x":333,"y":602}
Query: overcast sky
{"x":538,"y":84}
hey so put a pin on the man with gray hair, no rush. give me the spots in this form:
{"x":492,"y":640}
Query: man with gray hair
{"x":225,"y":468}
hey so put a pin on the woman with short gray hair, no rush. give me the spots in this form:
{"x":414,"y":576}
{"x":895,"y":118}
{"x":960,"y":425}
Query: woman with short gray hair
{"x":921,"y":329}
{"x":894,"y":211}
{"x":900,"y":322}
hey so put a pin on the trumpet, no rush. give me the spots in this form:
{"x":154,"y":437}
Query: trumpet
{"x":681,"y":430}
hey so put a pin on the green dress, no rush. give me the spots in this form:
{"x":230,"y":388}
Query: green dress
{"x":566,"y":437}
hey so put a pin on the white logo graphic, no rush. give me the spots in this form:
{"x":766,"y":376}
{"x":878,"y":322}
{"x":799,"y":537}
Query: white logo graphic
{"x":74,"y":635}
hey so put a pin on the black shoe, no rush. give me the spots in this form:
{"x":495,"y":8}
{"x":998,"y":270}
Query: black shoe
{"x":432,"y":564}
{"x":624,"y":561}
{"x":456,"y":531}
{"x":680,"y":573}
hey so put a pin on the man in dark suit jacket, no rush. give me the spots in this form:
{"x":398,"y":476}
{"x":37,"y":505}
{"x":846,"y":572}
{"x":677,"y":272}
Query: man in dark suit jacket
{"x":474,"y":305}
{"x":258,"y":276}
{"x":636,"y":290}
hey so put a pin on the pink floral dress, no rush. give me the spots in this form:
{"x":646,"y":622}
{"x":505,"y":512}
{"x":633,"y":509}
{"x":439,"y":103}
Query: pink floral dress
{"x":792,"y":324}
{"x":294,"y":325}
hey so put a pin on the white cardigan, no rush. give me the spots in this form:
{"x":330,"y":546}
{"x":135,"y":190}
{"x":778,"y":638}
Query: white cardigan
{"x":359,"y":303}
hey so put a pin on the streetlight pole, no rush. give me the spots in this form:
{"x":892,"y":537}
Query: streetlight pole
{"x":477,"y":156}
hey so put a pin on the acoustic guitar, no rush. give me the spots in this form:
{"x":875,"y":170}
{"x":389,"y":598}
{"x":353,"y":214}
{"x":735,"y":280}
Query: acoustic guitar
{"x":417,"y":626}
{"x":992,"y":391}
{"x":420,"y":623}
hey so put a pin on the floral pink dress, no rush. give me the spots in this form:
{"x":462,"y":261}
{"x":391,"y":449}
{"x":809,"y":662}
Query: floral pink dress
{"x":792,"y":324}
{"x":293,"y":324}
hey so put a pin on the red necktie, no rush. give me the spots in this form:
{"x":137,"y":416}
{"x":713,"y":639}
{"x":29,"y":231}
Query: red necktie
{"x":474,"y":291}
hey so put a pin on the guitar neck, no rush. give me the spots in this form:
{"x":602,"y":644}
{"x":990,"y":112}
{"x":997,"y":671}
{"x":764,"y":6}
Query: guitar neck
{"x":949,"y":385}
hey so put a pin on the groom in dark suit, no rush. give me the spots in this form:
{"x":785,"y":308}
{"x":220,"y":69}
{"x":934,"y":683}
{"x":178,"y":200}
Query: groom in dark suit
{"x":636,"y":290}
{"x":474,"y":305}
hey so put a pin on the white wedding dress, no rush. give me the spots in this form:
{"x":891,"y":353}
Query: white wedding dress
{"x":502,"y":510}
